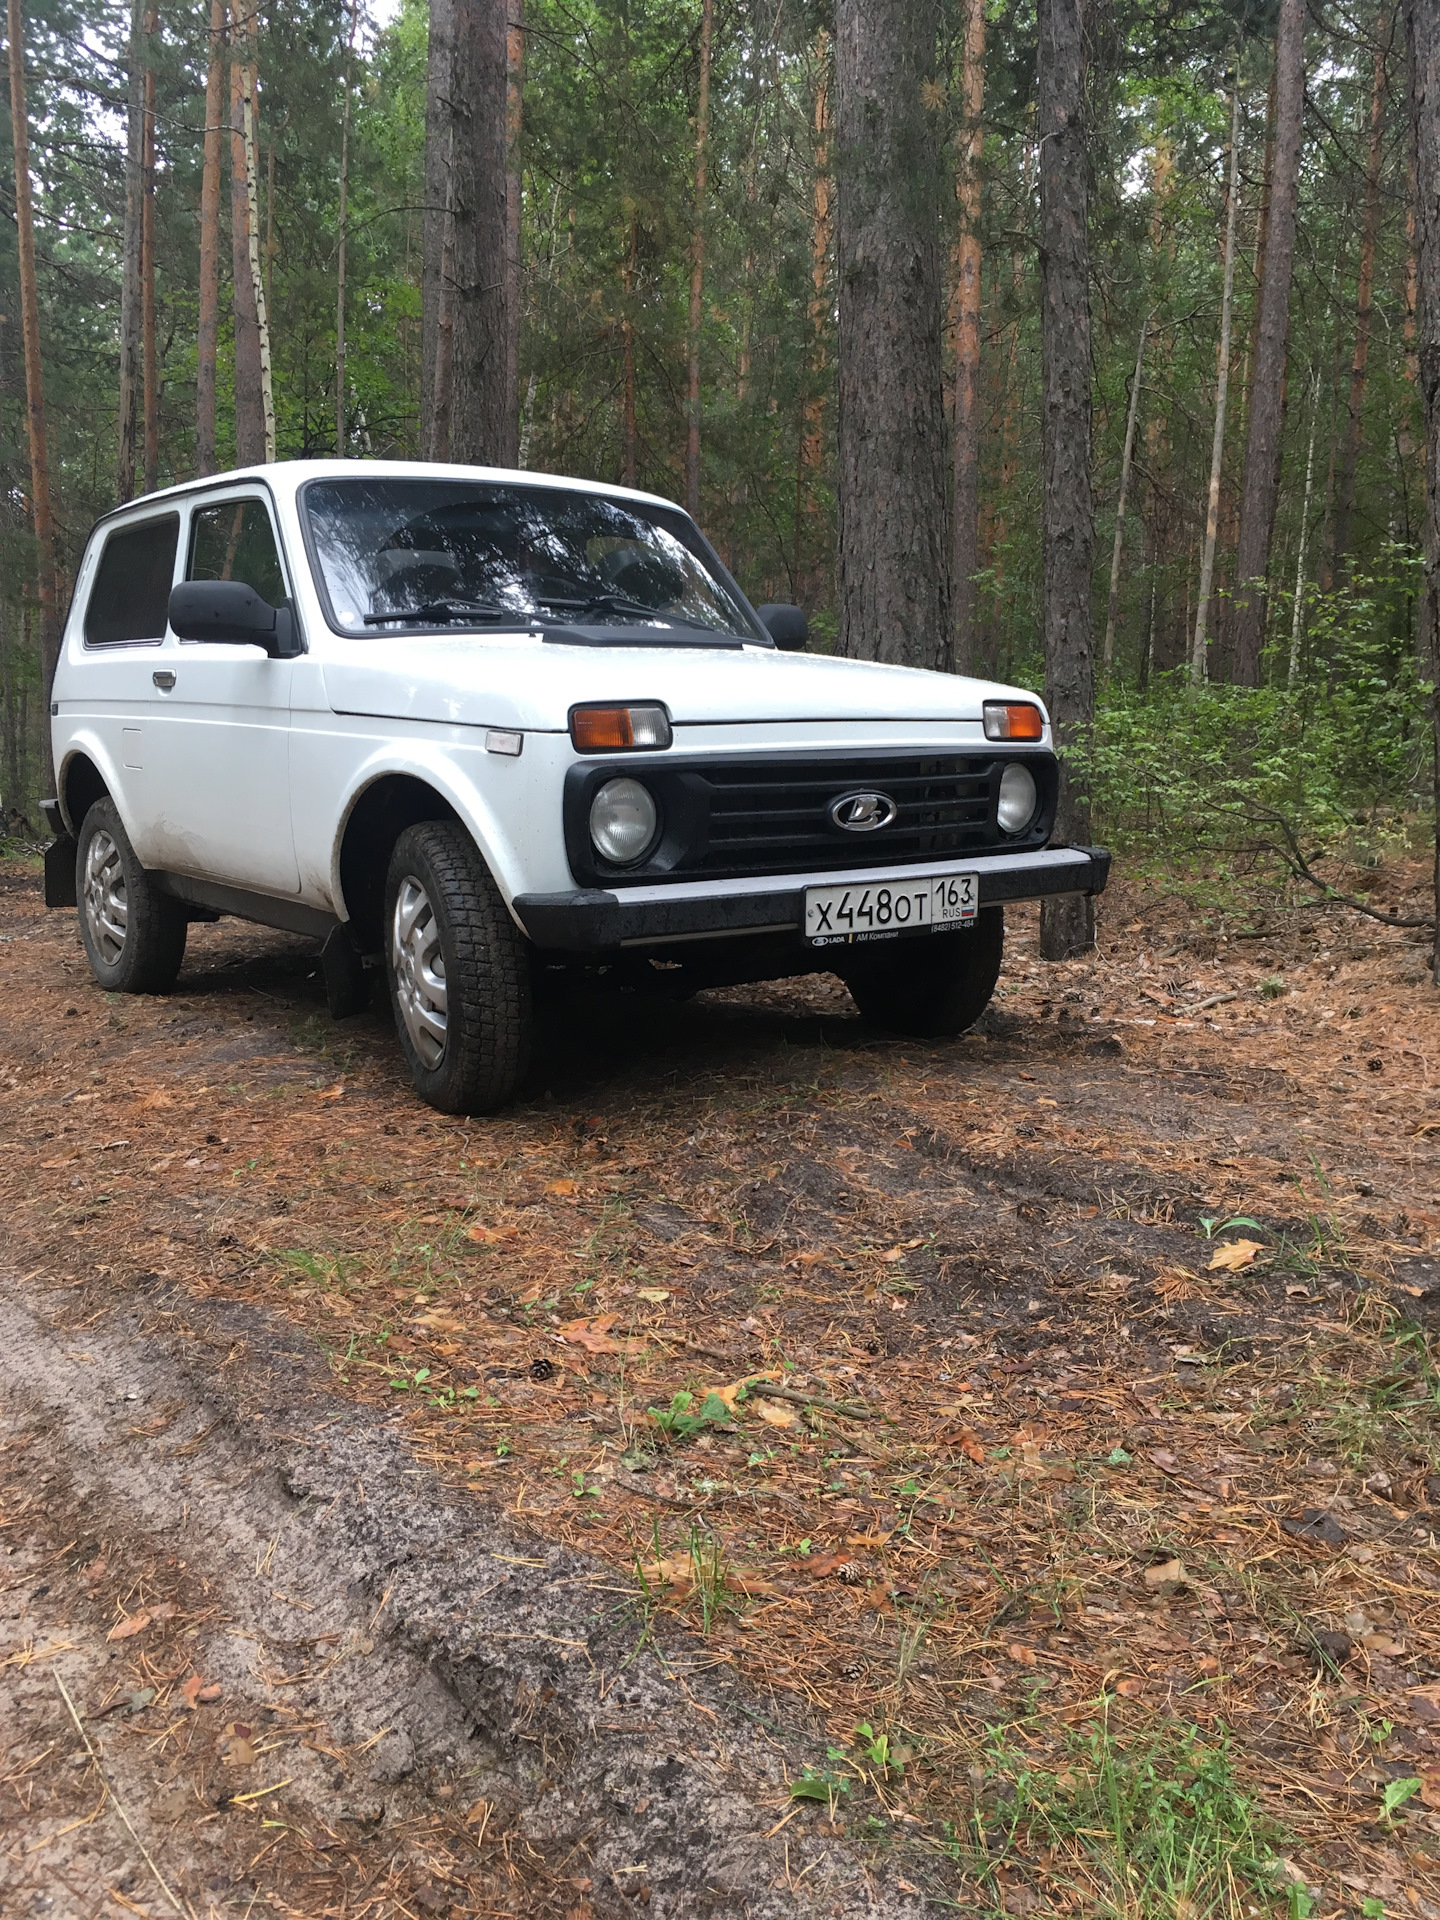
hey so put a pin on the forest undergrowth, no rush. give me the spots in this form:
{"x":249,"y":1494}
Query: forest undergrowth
{"x":1048,"y":1420}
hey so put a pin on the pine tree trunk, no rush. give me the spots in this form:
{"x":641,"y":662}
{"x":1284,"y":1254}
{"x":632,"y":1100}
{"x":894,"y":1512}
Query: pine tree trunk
{"x":812,"y":434}
{"x":628,"y":434}
{"x":482,"y":416}
{"x":1261,"y":487}
{"x":1422,"y":30}
{"x":1364,"y":297}
{"x":436,"y":264}
{"x":42,"y":518}
{"x":1117,"y":550}
{"x":894,"y":554}
{"x":514,"y":208}
{"x":148,"y":359}
{"x":131,"y":266}
{"x":1198,"y":657}
{"x":1067,"y":926}
{"x":249,"y":406}
{"x":207,"y":335}
{"x":341,"y":376}
{"x":697,"y":265}
{"x":965,"y":327}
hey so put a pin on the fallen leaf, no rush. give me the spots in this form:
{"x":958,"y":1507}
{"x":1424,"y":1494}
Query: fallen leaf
{"x":1430,"y":1789}
{"x":236,"y":1746}
{"x":190,"y":1692}
{"x":560,"y":1186}
{"x":1023,"y":1656}
{"x":332,"y":1093}
{"x":132,"y":1624}
{"x":727,"y":1396}
{"x":207,"y":1695}
{"x":1043,"y":1102}
{"x":1234,"y":1255}
{"x":595,"y":1335}
{"x":477,"y":1813}
{"x":1131,"y":1689}
{"x":655,"y":1295}
{"x":1169,"y":1573}
{"x":1314,"y":1524}
{"x":827,"y":1564}
{"x":487,"y":1236}
{"x":970,"y":1446}
{"x":775,"y":1414}
{"x":1381,"y":1643}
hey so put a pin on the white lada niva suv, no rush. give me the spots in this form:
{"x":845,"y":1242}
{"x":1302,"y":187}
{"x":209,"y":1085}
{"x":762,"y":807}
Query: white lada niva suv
{"x":478,"y":727}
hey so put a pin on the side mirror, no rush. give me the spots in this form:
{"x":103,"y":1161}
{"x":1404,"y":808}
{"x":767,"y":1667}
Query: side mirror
{"x":786,"y":626}
{"x":221,"y":611}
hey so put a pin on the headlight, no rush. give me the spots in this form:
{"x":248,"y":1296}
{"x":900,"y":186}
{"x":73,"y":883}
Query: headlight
{"x":1016,"y":808}
{"x":623,"y":820}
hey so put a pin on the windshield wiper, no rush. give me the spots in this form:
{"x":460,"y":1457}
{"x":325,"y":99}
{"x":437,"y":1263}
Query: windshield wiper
{"x":618,"y":603}
{"x":443,"y":612}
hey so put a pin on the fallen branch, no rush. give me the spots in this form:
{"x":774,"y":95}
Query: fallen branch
{"x":95,"y":1761}
{"x":1300,"y":869}
{"x":809,"y":1400}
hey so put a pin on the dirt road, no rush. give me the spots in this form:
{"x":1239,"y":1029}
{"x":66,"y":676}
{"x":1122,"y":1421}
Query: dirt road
{"x":352,"y":1404}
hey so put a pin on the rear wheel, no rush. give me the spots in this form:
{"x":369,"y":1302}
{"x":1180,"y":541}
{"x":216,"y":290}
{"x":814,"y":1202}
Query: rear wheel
{"x":133,"y":935}
{"x":932,"y":987}
{"x":458,"y":970}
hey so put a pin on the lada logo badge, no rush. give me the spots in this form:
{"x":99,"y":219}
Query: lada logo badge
{"x":863,"y":812}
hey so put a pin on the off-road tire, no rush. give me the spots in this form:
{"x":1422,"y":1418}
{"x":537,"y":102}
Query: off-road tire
{"x":486,"y":973}
{"x":933,"y":987}
{"x":146,"y":957}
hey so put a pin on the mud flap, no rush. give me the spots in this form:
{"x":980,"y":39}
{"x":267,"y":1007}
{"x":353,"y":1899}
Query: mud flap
{"x":347,"y":986}
{"x":60,"y":873}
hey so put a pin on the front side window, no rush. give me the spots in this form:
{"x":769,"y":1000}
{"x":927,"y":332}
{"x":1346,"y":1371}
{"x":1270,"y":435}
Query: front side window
{"x":130,"y":599}
{"x":398,"y":555}
{"x":234,"y":540}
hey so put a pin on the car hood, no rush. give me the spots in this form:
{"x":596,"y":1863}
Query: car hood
{"x":531,"y":685}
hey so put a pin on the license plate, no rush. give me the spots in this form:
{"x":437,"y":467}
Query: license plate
{"x":844,"y":915}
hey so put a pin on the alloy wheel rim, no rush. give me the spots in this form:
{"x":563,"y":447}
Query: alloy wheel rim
{"x":419,"y":969}
{"x":107,"y":907}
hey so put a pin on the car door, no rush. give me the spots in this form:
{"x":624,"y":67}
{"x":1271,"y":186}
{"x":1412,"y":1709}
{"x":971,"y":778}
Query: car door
{"x":221,"y":756}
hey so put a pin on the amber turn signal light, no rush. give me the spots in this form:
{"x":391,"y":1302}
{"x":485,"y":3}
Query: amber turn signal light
{"x":619,"y":729}
{"x":1005,"y":720}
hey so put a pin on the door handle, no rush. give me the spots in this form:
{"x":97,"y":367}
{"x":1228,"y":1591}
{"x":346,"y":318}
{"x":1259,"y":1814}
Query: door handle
{"x":165,"y":680}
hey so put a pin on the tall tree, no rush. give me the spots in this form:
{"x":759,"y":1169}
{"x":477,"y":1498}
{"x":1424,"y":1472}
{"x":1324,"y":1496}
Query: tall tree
{"x":514,"y":197}
{"x":1132,"y":415}
{"x":342,"y":390}
{"x":208,"y":333}
{"x":1261,"y":486}
{"x":252,"y":245}
{"x":894,"y":557}
{"x":41,"y":515}
{"x":1422,"y":32}
{"x":697,"y":264}
{"x":1198,"y":655}
{"x":1067,"y":926}
{"x":812,"y":415}
{"x":437,"y":236}
{"x":484,"y":413}
{"x":1348,"y":457}
{"x":965,"y":327}
{"x":132,"y":267}
{"x":148,"y":360}
{"x":249,"y":403}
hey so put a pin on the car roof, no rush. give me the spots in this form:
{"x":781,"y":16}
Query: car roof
{"x":292,"y":474}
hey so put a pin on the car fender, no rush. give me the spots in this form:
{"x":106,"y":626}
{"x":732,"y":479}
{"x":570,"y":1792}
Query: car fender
{"x":86,"y":743}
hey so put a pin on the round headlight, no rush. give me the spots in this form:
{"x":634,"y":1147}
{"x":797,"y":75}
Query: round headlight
{"x":623,"y":820}
{"x":1017,"y":799}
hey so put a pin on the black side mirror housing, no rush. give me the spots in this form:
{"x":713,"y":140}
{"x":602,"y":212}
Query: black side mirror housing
{"x":786,"y":626}
{"x":230,"y":612}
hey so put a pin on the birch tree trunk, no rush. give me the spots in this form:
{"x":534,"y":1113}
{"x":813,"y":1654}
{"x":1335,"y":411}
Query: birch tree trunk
{"x":252,"y":248}
{"x":131,"y":266}
{"x":1261,"y":488}
{"x":1364,"y":299}
{"x":149,"y":367}
{"x":965,"y":327}
{"x":894,"y":552}
{"x":437,"y":228}
{"x":514,"y":208}
{"x":1198,"y":655}
{"x":46,"y":584}
{"x":1067,"y":926}
{"x":1297,"y":611}
{"x":483,"y":416}
{"x":697,"y":265}
{"x":207,"y":336}
{"x":1117,"y":550}
{"x":1422,"y":32}
{"x":249,"y":404}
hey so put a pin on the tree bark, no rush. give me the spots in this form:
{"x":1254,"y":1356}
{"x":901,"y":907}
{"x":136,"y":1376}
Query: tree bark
{"x":965,"y":327}
{"x":1364,"y":295}
{"x":1297,"y":610}
{"x":1198,"y":655}
{"x":894,"y":553}
{"x":252,"y":236}
{"x":46,"y":584}
{"x":132,"y":266}
{"x":1261,"y":487}
{"x":1117,"y":550}
{"x":628,"y":434}
{"x":1422,"y":32}
{"x":437,"y":230}
{"x":249,"y":405}
{"x":697,"y":265}
{"x":483,"y":415}
{"x":1067,"y":927}
{"x":209,"y":290}
{"x":812,"y":432}
{"x":148,"y":361}
{"x":341,"y":377}
{"x":514,"y":208}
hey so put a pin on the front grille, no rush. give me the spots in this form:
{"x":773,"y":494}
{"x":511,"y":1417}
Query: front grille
{"x":743,"y":818}
{"x":776,"y":818}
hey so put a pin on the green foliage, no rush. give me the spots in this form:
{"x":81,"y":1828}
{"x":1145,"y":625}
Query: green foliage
{"x":681,"y":1424}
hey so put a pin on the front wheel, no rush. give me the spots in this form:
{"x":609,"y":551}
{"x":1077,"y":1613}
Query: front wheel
{"x":133,"y":935}
{"x":933,"y":987}
{"x":458,"y":971}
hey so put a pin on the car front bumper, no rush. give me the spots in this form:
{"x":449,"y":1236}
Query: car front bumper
{"x":593,"y":920}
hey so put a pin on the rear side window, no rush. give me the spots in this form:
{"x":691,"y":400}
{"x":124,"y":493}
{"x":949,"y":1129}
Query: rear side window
{"x":235,"y":541}
{"x":131,"y":596}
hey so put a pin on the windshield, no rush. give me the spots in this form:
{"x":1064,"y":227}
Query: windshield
{"x":405,"y":555}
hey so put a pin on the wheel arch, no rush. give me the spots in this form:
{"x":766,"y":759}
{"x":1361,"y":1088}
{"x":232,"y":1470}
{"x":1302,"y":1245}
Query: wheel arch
{"x":378,"y":815}
{"x":80,"y":785}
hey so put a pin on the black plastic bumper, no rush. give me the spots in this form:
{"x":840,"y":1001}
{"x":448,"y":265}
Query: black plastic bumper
{"x":591,"y":920}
